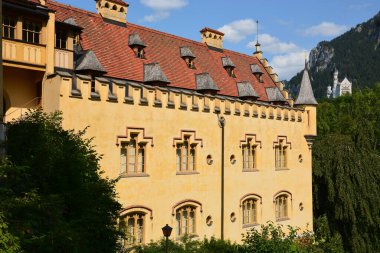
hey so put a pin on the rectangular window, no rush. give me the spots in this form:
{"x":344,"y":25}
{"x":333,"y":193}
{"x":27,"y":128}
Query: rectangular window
{"x":9,"y":27}
{"x":61,"y":39}
{"x":31,"y":32}
{"x":249,"y":156}
{"x":132,"y":158}
{"x":280,"y":155}
{"x":186,"y":156}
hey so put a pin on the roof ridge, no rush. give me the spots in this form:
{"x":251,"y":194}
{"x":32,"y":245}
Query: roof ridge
{"x":68,"y":6}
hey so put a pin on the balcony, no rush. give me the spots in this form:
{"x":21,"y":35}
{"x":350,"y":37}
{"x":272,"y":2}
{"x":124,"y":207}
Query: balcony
{"x":64,"y":58}
{"x":20,"y":54}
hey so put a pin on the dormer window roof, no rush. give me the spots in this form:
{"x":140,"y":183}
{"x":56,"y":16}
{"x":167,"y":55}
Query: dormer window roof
{"x":137,"y":45}
{"x":256,"y":70}
{"x":227,"y":62}
{"x":135,"y":40}
{"x":186,"y":52}
{"x":188,"y":56}
{"x":88,"y":62}
{"x":246,"y":91}
{"x":153,"y":74}
{"x":205,"y":82}
{"x":229,"y":66}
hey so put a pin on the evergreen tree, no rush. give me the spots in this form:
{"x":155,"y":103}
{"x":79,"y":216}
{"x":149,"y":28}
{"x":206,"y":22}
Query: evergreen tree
{"x":51,"y":191}
{"x":346,"y":173}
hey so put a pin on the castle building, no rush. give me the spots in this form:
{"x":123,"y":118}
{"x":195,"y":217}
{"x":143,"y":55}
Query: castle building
{"x":199,"y":137}
{"x":339,"y":88}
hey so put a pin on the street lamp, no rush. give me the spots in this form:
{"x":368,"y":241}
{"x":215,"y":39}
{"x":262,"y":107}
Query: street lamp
{"x":167,"y":230}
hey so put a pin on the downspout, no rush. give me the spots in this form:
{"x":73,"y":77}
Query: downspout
{"x":222,"y":124}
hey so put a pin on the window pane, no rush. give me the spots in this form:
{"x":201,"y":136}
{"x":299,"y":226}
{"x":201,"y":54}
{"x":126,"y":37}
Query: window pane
{"x":178,"y":219}
{"x":192,"y":159}
{"x":123,"y":160}
{"x":178,"y":155}
{"x":141,"y":160}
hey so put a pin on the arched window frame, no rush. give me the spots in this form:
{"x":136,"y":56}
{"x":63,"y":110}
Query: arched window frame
{"x":138,"y":216}
{"x":283,"y":211}
{"x":251,"y":218}
{"x":184,"y":223}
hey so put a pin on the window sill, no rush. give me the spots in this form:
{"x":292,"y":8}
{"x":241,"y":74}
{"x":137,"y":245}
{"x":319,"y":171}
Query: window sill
{"x":250,"y":225}
{"x":182,"y":173}
{"x":281,"y":169}
{"x":250,"y":170}
{"x":134,"y":175}
{"x":282,"y":219}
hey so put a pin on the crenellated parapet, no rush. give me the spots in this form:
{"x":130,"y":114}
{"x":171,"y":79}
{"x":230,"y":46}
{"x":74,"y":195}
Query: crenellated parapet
{"x":127,"y":93}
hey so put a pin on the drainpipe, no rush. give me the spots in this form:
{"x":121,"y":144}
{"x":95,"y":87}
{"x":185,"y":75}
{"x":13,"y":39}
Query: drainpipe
{"x":222,"y":124}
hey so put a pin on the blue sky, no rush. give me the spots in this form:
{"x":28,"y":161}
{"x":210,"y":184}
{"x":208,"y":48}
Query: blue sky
{"x":287,"y":29}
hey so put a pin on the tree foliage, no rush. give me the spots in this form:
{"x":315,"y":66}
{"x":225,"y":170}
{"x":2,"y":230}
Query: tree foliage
{"x":51,"y":191}
{"x":346,"y":173}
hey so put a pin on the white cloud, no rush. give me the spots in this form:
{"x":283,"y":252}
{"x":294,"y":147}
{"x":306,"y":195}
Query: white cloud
{"x":238,"y":30}
{"x":162,"y":8}
{"x":272,"y":45}
{"x":287,"y":65}
{"x":325,"y":29}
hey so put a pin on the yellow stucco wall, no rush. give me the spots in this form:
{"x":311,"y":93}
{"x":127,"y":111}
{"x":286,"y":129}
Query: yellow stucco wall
{"x":163,"y":188}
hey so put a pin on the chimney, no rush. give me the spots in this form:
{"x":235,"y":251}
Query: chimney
{"x":212,"y":38}
{"x":113,"y":10}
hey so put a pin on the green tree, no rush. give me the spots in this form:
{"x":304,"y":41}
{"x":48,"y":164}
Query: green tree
{"x":8,"y":242}
{"x":51,"y":190}
{"x":346,"y":173}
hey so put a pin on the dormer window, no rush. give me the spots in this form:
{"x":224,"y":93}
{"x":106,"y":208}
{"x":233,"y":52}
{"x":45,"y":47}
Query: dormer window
{"x":190,"y":62}
{"x":188,"y":56}
{"x":229,"y":66}
{"x":230,"y":71}
{"x":139,"y":52}
{"x":257,"y":72}
{"x":137,"y":45}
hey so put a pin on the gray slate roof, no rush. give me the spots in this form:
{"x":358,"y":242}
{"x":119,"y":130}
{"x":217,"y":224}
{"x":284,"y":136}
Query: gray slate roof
{"x":256,"y":69}
{"x":245,"y":89}
{"x":153,"y":73}
{"x":135,"y":40}
{"x":205,"y":82}
{"x":227,"y":62}
{"x":89,"y":61}
{"x":274,"y":95}
{"x":306,"y":95}
{"x":186,"y":52}
{"x":70,"y":21}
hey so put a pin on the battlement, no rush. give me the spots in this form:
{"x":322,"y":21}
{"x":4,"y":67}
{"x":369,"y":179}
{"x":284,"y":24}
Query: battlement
{"x":125,"y":93}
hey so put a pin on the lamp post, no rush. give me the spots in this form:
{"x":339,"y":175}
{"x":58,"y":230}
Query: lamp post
{"x":222,"y":124}
{"x":167,"y":230}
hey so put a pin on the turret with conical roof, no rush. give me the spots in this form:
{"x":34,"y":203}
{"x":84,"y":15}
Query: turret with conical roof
{"x":306,"y":94}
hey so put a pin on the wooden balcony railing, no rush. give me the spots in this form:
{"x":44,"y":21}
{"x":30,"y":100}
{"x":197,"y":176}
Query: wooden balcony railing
{"x":22,"y":52}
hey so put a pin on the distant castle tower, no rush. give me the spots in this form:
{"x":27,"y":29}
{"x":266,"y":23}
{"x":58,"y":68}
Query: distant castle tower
{"x":339,"y":88}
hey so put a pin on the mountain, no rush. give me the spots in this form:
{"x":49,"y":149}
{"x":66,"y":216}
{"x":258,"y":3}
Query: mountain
{"x":356,"y":54}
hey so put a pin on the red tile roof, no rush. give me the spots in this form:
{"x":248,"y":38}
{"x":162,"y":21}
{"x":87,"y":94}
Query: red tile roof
{"x":110,"y":44}
{"x":121,"y":2}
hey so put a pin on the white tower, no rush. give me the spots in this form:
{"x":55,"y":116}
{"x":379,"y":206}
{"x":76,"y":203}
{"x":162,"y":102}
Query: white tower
{"x":336,"y":83}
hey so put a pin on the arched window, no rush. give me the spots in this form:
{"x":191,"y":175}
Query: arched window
{"x":133,"y":227}
{"x":185,"y":220}
{"x":107,"y":5}
{"x":249,"y":210}
{"x":122,"y":9}
{"x":282,"y":204}
{"x":114,"y":7}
